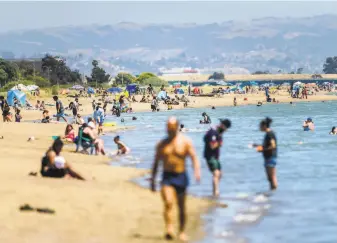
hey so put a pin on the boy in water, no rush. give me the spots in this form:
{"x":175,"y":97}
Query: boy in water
{"x":213,"y":142}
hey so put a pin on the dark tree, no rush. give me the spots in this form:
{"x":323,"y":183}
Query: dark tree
{"x":299,"y":71}
{"x":330,"y":65}
{"x":217,"y":76}
{"x":261,"y":72}
{"x":98,"y":74}
{"x":124,"y":78}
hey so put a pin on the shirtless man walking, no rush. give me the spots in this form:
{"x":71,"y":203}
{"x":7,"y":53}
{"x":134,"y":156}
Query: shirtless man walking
{"x":173,"y":151}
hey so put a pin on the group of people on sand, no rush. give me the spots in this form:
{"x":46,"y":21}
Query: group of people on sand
{"x":7,"y":115}
{"x":173,"y":152}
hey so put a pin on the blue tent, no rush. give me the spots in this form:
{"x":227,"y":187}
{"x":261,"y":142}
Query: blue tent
{"x":20,"y":96}
{"x":162,"y":95}
{"x":91,"y":91}
{"x":131,"y":88}
{"x":114,"y":90}
{"x":179,"y":91}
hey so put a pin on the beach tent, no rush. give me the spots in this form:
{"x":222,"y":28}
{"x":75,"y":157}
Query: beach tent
{"x":32,"y":87}
{"x":77,"y":87}
{"x":179,"y":91}
{"x":196,"y":90}
{"x":114,"y":90}
{"x":131,"y":88}
{"x":162,"y":95}
{"x":20,"y":96}
{"x":20,"y":87}
{"x":91,"y":91}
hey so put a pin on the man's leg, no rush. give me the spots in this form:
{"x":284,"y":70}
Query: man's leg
{"x":168,"y":194}
{"x":181,"y":195}
{"x":216,"y":179}
{"x":271,"y":174}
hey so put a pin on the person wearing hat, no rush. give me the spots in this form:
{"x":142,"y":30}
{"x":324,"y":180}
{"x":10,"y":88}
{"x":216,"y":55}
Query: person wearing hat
{"x":308,"y":125}
{"x":213,"y":142}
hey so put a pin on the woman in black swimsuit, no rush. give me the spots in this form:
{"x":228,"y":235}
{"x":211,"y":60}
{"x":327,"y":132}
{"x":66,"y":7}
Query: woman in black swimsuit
{"x":54,"y":165}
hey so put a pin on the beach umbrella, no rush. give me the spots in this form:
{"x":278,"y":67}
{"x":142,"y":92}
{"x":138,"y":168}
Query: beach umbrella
{"x":114,"y":90}
{"x":253,"y":83}
{"x":77,"y":87}
{"x":91,"y":91}
{"x":298,"y":83}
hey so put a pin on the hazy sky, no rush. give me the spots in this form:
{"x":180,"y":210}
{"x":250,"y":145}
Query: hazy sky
{"x":16,"y":15}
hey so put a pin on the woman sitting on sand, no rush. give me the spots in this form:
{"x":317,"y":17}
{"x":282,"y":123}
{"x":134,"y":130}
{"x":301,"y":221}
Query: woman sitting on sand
{"x":42,"y":106}
{"x":69,"y":134}
{"x":122,"y":148}
{"x":89,"y":132}
{"x":54,"y":165}
{"x":45,"y":117}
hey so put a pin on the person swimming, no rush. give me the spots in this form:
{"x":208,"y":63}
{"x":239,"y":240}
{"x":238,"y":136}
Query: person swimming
{"x":308,"y":125}
{"x":333,"y":131}
{"x":259,"y":103}
{"x":122,"y":148}
{"x":182,"y":128}
{"x":207,"y":119}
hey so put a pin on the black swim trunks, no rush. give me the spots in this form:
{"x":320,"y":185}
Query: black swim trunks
{"x":177,"y":180}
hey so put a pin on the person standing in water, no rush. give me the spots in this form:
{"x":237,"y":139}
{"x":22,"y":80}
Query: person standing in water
{"x":308,"y":125}
{"x":206,"y":119}
{"x":235,"y":102}
{"x":269,"y":151}
{"x":173,"y":151}
{"x":213,"y":142}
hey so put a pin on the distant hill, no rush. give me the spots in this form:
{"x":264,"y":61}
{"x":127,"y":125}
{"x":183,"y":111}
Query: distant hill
{"x":260,"y":44}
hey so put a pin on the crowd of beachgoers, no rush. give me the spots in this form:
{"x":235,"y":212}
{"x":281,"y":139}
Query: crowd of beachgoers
{"x":84,"y":129}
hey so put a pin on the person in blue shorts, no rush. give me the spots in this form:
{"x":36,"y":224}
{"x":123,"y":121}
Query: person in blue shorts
{"x":213,"y":142}
{"x":173,"y":152}
{"x":59,"y":109}
{"x":269,"y":152}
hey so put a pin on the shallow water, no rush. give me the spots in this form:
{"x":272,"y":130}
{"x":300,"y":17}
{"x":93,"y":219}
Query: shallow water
{"x":304,"y":207}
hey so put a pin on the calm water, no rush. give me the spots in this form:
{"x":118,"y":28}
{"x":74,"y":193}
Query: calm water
{"x":302,"y":210}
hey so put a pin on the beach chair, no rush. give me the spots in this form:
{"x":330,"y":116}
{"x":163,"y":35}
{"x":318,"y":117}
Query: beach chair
{"x":85,"y":143}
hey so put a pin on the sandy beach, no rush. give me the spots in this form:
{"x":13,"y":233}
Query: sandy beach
{"x":105,"y":208}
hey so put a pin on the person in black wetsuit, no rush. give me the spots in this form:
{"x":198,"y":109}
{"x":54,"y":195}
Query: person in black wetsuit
{"x":269,"y":152}
{"x":213,"y":142}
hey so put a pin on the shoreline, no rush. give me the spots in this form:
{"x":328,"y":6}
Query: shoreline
{"x":107,"y":199}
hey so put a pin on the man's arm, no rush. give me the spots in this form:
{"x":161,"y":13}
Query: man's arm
{"x":155,"y":167}
{"x":195,"y":160}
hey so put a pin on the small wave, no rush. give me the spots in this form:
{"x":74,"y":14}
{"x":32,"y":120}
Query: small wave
{"x":242,"y":195}
{"x":260,"y":199}
{"x":227,"y":233}
{"x":246,"y":218}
